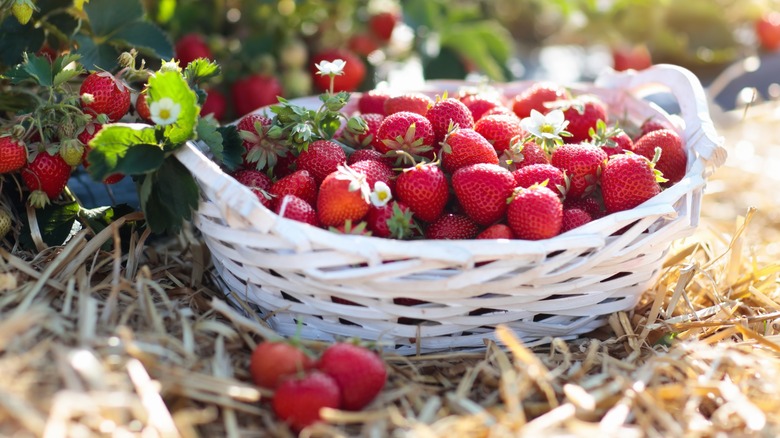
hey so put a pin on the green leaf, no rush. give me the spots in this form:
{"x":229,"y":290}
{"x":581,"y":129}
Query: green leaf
{"x":146,"y":37}
{"x":16,"y":39}
{"x":142,"y":158}
{"x":55,"y":222}
{"x":232,"y":147}
{"x":106,"y":16}
{"x":112,"y":143}
{"x":33,"y":67}
{"x":172,"y":85}
{"x":208,"y":134}
{"x":95,"y":56}
{"x":173,"y":197}
{"x":201,"y":69}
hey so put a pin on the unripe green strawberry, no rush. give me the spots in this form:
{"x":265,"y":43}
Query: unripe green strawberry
{"x":5,"y":222}
{"x":23,"y":10}
{"x":72,"y":151}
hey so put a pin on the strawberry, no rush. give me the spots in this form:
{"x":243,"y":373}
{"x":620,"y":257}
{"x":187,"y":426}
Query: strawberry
{"x":405,"y":131}
{"x":629,"y":180}
{"x":392,"y":220}
{"x":535,"y":213}
{"x":521,"y":154}
{"x":463,"y":147}
{"x":353,"y":74}
{"x":382,"y":25}
{"x":13,"y":154}
{"x":359,"y":373}
{"x":583,"y":114}
{"x":612,"y":139}
{"x":497,"y":231}
{"x":298,"y":183}
{"x":255,"y":91}
{"x":424,"y":189}
{"x":482,"y":190}
{"x":375,"y":171}
{"x":631,"y":58}
{"x":589,"y":204}
{"x":22,"y":11}
{"x":478,"y":105}
{"x":258,"y":182}
{"x":262,"y":151}
{"x":448,"y":112}
{"x":5,"y":222}
{"x":272,"y":362}
{"x":499,"y":110}
{"x":362,"y":44}
{"x":295,"y":208}
{"x":321,"y":158}
{"x":298,"y":401}
{"x":45,"y":176}
{"x":452,"y":227}
{"x":767,"y":29}
{"x":215,"y":104}
{"x":373,"y":101}
{"x":370,"y":137}
{"x":573,"y":218}
{"x":673,"y":161}
{"x":285,"y":165}
{"x":499,"y":130}
{"x":411,"y":102}
{"x":72,"y":151}
{"x":527,"y":176}
{"x":343,"y":196}
{"x":582,"y":163}
{"x":368,"y":154}
{"x":191,"y":47}
{"x":535,"y":97}
{"x":102,"y":93}
{"x":142,"y":108}
{"x":649,"y":126}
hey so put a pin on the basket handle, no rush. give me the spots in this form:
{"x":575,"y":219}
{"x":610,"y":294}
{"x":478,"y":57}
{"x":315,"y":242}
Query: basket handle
{"x":686,"y":88}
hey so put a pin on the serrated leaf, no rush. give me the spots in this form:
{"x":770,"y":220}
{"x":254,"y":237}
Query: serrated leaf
{"x":38,"y":68}
{"x":172,"y":85}
{"x":112,"y":143}
{"x":232,"y":147}
{"x":142,"y":158}
{"x":95,"y":56}
{"x":146,"y":37}
{"x":208,"y":134}
{"x":174,"y":195}
{"x":106,"y":17}
{"x":201,"y":69}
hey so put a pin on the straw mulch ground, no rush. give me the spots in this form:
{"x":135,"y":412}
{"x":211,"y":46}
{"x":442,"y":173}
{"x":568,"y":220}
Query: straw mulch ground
{"x":141,"y":344}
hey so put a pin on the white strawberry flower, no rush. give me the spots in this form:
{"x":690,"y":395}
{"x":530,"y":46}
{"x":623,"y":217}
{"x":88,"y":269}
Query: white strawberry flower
{"x":381,"y":194}
{"x":164,"y":111}
{"x":328,"y":68}
{"x":549,"y":126}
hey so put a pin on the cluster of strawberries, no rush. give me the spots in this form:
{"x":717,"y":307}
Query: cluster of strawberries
{"x":477,"y":165}
{"x":346,"y":376}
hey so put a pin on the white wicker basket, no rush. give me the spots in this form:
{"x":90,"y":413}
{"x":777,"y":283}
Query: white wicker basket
{"x":562,"y":287}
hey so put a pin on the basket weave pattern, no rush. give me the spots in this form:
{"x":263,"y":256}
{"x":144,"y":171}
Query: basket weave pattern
{"x":561,"y":287}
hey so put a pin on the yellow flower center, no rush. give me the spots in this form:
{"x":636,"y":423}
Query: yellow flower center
{"x":165,"y":113}
{"x":547,"y":129}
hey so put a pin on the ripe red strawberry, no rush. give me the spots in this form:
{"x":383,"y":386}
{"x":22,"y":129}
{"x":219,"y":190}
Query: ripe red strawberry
{"x":535,"y":213}
{"x":191,"y":47}
{"x":298,"y":183}
{"x":628,"y":180}
{"x":583,"y":114}
{"x":373,"y":101}
{"x":295,"y":208}
{"x":368,"y":154}
{"x":649,"y":126}
{"x":521,"y":154}
{"x":412,"y":102}
{"x":258,"y":182}
{"x":370,"y":137}
{"x":102,"y":93}
{"x":631,"y":57}
{"x":354,"y":71}
{"x":405,"y":131}
{"x":285,"y":165}
{"x":497,"y":231}
{"x":591,"y":206}
{"x":527,"y":176}
{"x":272,"y":362}
{"x":215,"y":104}
{"x":499,"y":110}
{"x":321,"y":159}
{"x":392,"y":220}
{"x":582,"y":163}
{"x":499,"y":130}
{"x":362,"y":44}
{"x":255,"y":91}
{"x":448,"y":112}
{"x":262,"y":152}
{"x":424,"y":189}
{"x":463,"y":147}
{"x":452,"y":227}
{"x":142,"y":108}
{"x":535,"y":97}
{"x":673,"y":161}
{"x":343,"y":196}
{"x":573,"y":218}
{"x":13,"y":154}
{"x":768,"y":31}
{"x":298,"y":401}
{"x":478,"y":105}
{"x":359,"y":373}
{"x":482,"y":190}
{"x":382,"y":25}
{"x":46,"y":177}
{"x":375,"y":171}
